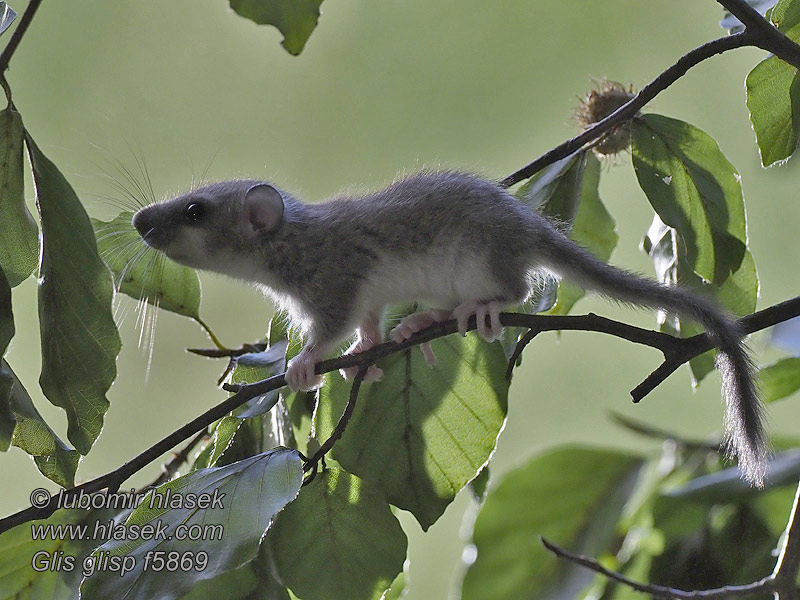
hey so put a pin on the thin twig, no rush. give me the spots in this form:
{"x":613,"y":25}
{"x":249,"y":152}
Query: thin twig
{"x":338,"y":431}
{"x":764,"y":585}
{"x":19,"y":32}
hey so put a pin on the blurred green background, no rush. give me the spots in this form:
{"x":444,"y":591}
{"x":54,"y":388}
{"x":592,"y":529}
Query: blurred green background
{"x":381,"y":88}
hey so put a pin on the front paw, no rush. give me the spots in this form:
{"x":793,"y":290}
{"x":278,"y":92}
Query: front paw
{"x":300,"y":374}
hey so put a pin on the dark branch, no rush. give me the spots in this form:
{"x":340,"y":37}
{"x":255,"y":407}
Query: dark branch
{"x":762,"y":586}
{"x":169,"y":469}
{"x":696,"y":345}
{"x":19,"y":32}
{"x":628,"y":110}
{"x":667,"y":344}
{"x":338,"y":431}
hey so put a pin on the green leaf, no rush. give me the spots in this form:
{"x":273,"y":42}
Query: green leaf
{"x":80,"y":341}
{"x":143,"y":275}
{"x":295,"y":19}
{"x":786,"y":16}
{"x":224,"y":432}
{"x":773,"y":99}
{"x":19,"y":235}
{"x":422,"y":434}
{"x":571,"y":496}
{"x":780,"y":379}
{"x":773,"y":94}
{"x":555,"y":191}
{"x":693,"y":189}
{"x":341,"y":530}
{"x":7,"y":420}
{"x":251,"y":492}
{"x":18,"y":552}
{"x":592,"y":228}
{"x":56,"y":461}
{"x":738,"y":292}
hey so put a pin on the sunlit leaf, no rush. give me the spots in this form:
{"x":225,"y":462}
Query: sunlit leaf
{"x":780,"y":379}
{"x":80,"y":341}
{"x":143,"y":274}
{"x":249,"y":493}
{"x":342,"y":530}
{"x":572,"y":497}
{"x":422,"y":434}
{"x":295,"y":19}
{"x":773,"y":94}
{"x":773,"y":99}
{"x":57,"y":559}
{"x":19,"y":235}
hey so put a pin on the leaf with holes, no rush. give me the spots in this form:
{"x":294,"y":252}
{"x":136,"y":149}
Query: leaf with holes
{"x":571,"y":496}
{"x":50,"y":579}
{"x":342,"y":530}
{"x":80,"y":342}
{"x":295,"y":19}
{"x":19,"y":235}
{"x":693,"y":189}
{"x":421,"y":434}
{"x":144,"y":274}
{"x":246,"y":496}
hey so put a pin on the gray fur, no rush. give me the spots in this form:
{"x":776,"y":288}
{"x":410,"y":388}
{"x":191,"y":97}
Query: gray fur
{"x":441,"y":237}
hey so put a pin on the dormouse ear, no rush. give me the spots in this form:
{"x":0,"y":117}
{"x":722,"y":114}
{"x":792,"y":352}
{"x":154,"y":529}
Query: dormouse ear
{"x":263,"y":208}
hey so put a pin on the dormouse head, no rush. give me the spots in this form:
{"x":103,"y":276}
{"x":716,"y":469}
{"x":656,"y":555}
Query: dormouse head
{"x":214,"y":227}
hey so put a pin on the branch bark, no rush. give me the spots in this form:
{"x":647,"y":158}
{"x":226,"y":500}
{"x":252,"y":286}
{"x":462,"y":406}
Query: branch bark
{"x":667,"y":344}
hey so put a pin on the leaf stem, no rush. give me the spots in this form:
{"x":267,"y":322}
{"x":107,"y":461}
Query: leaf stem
{"x":220,"y":346}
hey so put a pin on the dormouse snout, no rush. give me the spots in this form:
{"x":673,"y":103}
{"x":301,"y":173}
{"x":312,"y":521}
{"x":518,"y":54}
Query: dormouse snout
{"x":141,"y":223}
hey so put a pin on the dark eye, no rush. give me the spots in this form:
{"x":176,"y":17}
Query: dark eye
{"x":194,"y":212}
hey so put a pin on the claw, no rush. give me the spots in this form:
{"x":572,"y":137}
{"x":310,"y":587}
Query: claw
{"x":489,"y":332}
{"x":300,"y":372}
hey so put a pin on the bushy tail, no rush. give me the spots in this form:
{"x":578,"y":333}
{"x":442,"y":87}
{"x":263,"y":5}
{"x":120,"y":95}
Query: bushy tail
{"x":745,"y":435}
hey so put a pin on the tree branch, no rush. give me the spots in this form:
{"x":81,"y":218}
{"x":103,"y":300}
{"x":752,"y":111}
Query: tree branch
{"x":591,"y":322}
{"x":19,"y":32}
{"x":764,"y":585}
{"x":758,"y":32}
{"x":634,"y":105}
